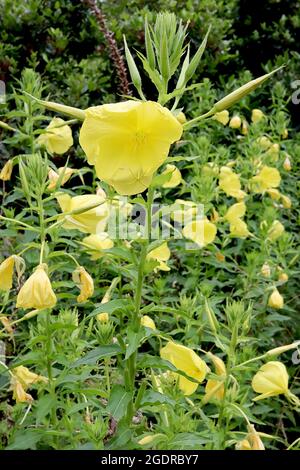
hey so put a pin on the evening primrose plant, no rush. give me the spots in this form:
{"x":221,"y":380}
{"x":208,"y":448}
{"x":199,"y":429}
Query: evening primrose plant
{"x":104,"y":245}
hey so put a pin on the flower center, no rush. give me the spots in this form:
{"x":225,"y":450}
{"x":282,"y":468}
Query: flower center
{"x":140,"y":137}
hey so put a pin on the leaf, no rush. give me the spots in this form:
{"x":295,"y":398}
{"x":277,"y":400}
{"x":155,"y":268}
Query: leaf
{"x":25,"y":439}
{"x":43,"y":407}
{"x":152,"y":397}
{"x":98,"y":353}
{"x":110,"y":307}
{"x":118,"y":402}
{"x":133,"y":339}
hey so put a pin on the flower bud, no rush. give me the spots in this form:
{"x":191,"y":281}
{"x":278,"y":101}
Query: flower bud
{"x":222,"y":117}
{"x":103,"y":317}
{"x":257,"y":115}
{"x":286,"y":202}
{"x":283,"y":277}
{"x":57,"y":138}
{"x":275,"y":231}
{"x":275,"y":300}
{"x":265,"y":270}
{"x":174,"y":176}
{"x":5,"y":173}
{"x":181,"y":117}
{"x":235,"y":122}
{"x":148,"y":322}
{"x":271,"y":380}
{"x":287,"y":164}
{"x":245,"y":127}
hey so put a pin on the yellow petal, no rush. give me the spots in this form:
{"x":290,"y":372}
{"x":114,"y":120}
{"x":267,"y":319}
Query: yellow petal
{"x":267,"y":178}
{"x":148,"y":322}
{"x":26,"y":377}
{"x":257,"y":115}
{"x":6,"y":273}
{"x":186,"y":360}
{"x":222,"y":117}
{"x":174,"y":176}
{"x":84,"y":282}
{"x":127,"y":142}
{"x":5,"y":173}
{"x":235,"y":211}
{"x":235,"y":122}
{"x":239,"y":229}
{"x":201,"y":232}
{"x":57,"y":138}
{"x":275,"y":300}
{"x":229,"y":182}
{"x":271,"y":379}
{"x":37,"y":292}
{"x":97,"y":244}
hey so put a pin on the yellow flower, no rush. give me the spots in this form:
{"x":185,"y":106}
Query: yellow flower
{"x":148,"y":322}
{"x":183,"y":211}
{"x":274,"y":193}
{"x":275,"y":300}
{"x":229,"y":182}
{"x":37,"y":292}
{"x":97,"y":244}
{"x":283,"y":277}
{"x":235,"y":211}
{"x":57,"y":138}
{"x":215,"y":388}
{"x":54,"y":177}
{"x":287,"y":165}
{"x":252,"y":441}
{"x":257,"y":115}
{"x":201,"y":232}
{"x":26,"y":377}
{"x":222,"y":117}
{"x":127,"y":142}
{"x":275,"y":231}
{"x":5,"y":173}
{"x":19,"y":394}
{"x":238,"y":228}
{"x":181,"y":117}
{"x":267,"y":178}
{"x":286,"y":202}
{"x":84,"y":282}
{"x":235,"y":122}
{"x":6,"y":273}
{"x":272,"y":379}
{"x":186,"y":360}
{"x":265,"y":270}
{"x":103,"y":317}
{"x":91,"y":220}
{"x":160,"y":254}
{"x":174,"y":176}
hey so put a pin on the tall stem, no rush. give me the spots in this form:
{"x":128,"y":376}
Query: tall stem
{"x":130,"y":366}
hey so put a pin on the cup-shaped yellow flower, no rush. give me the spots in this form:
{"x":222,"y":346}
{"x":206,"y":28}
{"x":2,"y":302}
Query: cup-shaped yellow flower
{"x":235,"y":122}
{"x":127,"y":142}
{"x":222,"y":117}
{"x":37,"y":291}
{"x":272,"y":379}
{"x":148,"y":322}
{"x":6,"y":273}
{"x":161,"y":254}
{"x":239,"y":228}
{"x":264,"y":142}
{"x":84,"y":282}
{"x":230,"y":183}
{"x":57,"y":138}
{"x":5,"y":173}
{"x":235,"y":211}
{"x":275,"y":231}
{"x":186,"y":360}
{"x":174,"y":174}
{"x":97,"y":244}
{"x":214,"y":389}
{"x":275,"y":300}
{"x":267,"y":178}
{"x":201,"y":232}
{"x":55,"y":176}
{"x":89,"y":212}
{"x":257,"y":115}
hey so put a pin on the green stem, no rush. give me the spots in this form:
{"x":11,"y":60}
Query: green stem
{"x":130,"y":365}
